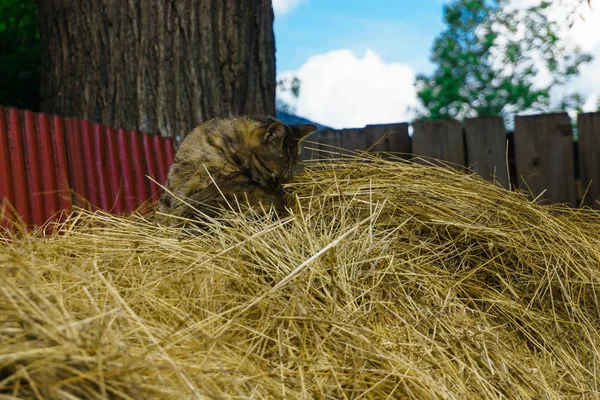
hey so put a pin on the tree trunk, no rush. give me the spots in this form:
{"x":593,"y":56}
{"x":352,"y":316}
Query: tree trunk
{"x":157,"y":65}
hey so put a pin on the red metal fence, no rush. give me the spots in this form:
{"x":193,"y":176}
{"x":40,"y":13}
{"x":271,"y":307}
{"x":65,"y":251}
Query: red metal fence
{"x":50,"y":163}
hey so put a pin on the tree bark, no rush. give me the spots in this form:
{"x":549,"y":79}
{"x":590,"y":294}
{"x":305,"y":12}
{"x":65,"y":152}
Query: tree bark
{"x":157,"y":65}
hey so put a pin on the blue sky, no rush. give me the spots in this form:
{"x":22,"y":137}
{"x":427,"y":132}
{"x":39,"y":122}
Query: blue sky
{"x":358,"y":59}
{"x":398,"y":30}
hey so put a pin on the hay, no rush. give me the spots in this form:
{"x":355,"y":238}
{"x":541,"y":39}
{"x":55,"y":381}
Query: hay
{"x":391,"y":280}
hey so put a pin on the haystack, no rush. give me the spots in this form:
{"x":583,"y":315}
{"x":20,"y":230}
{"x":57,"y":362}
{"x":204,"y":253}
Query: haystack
{"x":390,"y":280}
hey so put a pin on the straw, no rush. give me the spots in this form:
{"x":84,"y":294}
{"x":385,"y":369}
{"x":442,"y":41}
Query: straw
{"x":391,"y":279}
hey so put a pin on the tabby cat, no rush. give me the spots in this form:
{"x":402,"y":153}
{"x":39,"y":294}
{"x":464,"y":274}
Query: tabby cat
{"x":225,"y":162}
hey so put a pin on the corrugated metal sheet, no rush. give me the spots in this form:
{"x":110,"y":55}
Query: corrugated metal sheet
{"x":49,"y":163}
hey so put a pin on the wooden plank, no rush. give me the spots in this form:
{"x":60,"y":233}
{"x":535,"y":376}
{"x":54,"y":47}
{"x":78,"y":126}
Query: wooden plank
{"x":544,"y":156}
{"x":352,"y":140}
{"x":441,"y":140}
{"x":392,"y":138}
{"x":588,"y":128}
{"x":306,"y":152}
{"x":329,"y":143}
{"x":307,"y":149}
{"x":485,"y":138}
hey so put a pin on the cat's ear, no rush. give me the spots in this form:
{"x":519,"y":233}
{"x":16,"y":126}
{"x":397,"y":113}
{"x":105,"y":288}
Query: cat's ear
{"x":274,"y":133}
{"x":303,"y":130}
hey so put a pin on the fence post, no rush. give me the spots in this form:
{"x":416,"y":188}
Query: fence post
{"x":544,"y":156}
{"x":442,"y":140}
{"x":588,"y":132}
{"x":486,"y":147}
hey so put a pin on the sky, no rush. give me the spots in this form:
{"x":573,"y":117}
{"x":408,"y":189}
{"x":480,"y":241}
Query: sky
{"x":357,"y":60}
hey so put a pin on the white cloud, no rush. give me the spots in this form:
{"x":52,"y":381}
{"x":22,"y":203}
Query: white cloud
{"x":281,"y":7}
{"x":341,"y":90}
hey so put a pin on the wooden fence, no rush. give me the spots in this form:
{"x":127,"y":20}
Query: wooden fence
{"x":49,"y":163}
{"x":540,"y":156}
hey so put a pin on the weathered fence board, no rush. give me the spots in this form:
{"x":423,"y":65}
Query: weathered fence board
{"x":544,"y":156}
{"x":332,"y":143}
{"x":485,"y":138}
{"x":588,"y":129}
{"x":352,"y":140}
{"x":329,"y":143}
{"x":391,"y":138}
{"x":441,"y":140}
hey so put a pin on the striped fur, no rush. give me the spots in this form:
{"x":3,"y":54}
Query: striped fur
{"x":248,"y":158}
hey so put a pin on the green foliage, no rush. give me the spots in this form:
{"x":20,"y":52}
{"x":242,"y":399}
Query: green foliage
{"x":19,"y":54}
{"x":287,"y":85}
{"x":291,"y":85}
{"x":488,"y":61}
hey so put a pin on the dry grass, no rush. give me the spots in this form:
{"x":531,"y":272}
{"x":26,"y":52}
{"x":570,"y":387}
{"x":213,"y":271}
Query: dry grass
{"x":391,"y":280}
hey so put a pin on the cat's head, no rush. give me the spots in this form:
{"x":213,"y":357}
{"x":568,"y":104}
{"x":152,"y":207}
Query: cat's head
{"x":274,"y":148}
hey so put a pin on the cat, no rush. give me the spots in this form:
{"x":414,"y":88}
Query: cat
{"x":229,"y":161}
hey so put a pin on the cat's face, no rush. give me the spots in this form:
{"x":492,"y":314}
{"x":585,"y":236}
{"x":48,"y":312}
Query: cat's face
{"x":275,"y":148}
